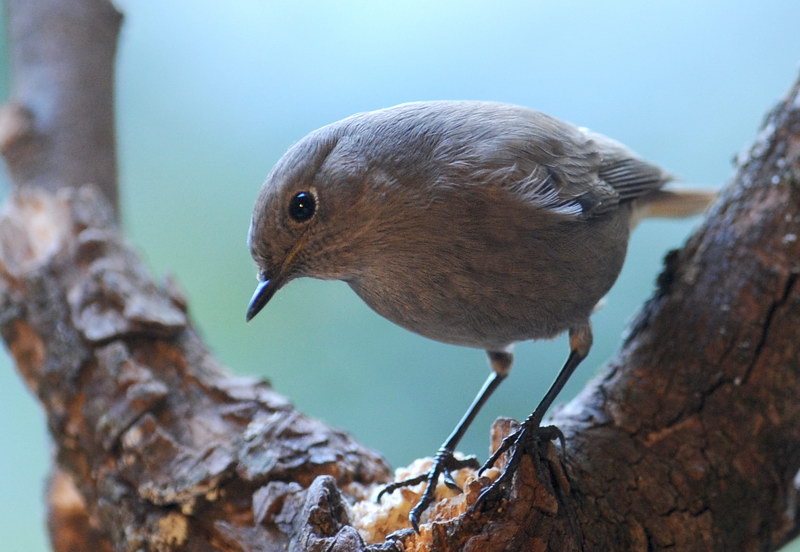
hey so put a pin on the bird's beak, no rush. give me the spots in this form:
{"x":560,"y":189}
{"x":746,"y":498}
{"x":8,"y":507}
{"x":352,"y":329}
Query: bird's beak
{"x":268,"y":286}
{"x":264,"y":292}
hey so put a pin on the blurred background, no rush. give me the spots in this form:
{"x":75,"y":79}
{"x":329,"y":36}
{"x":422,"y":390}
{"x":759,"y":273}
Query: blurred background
{"x":210,"y":94}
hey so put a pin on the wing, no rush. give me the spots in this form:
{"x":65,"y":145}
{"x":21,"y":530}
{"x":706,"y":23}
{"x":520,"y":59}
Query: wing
{"x":630,"y":175}
{"x":548,"y":163}
{"x":577,"y":173}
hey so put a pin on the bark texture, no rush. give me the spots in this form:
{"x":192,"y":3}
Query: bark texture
{"x":689,"y":440}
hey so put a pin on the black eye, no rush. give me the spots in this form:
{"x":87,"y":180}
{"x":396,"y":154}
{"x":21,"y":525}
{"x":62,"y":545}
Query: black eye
{"x":302,"y":206}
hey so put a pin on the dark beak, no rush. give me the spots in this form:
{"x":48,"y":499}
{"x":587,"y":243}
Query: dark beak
{"x":264,"y":292}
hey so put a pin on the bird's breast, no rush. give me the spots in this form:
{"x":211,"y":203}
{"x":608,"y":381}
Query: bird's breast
{"x":488,"y":294}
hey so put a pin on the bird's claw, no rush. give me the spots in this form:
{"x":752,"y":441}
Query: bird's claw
{"x":524,"y":440}
{"x":509,"y":441}
{"x":447,"y":477}
{"x":444,"y":463}
{"x":392,"y":487}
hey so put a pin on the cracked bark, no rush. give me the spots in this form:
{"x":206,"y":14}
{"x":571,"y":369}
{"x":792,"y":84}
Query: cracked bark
{"x":689,"y":439}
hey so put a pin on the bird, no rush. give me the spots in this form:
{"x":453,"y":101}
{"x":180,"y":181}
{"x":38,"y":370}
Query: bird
{"x":474,"y":223}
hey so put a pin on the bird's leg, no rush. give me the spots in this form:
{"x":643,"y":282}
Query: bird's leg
{"x":530,"y":433}
{"x":444,"y":462}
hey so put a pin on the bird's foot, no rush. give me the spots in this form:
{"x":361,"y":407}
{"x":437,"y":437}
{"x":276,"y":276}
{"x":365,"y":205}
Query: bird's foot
{"x":525,"y":440}
{"x":444,"y":463}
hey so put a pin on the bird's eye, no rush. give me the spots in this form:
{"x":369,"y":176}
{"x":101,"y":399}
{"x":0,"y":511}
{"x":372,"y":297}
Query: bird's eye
{"x":302,"y":206}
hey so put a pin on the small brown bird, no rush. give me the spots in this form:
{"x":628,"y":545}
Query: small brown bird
{"x":475,"y":223}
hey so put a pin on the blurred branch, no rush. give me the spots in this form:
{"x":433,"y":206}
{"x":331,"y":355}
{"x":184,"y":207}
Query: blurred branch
{"x":690,"y":439}
{"x":59,"y":129}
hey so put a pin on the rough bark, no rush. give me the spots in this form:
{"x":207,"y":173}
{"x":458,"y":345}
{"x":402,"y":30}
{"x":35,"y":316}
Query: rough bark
{"x":689,"y":440}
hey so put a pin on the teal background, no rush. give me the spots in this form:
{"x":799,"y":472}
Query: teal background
{"x":210,"y":94}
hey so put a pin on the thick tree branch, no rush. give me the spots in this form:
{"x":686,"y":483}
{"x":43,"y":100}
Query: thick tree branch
{"x":690,"y":440}
{"x":163,"y":447}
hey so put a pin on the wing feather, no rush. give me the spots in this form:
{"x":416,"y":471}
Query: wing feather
{"x":550,"y":164}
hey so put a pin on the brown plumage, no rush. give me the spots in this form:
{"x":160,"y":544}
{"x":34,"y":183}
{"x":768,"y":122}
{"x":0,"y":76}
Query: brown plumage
{"x":474,"y":223}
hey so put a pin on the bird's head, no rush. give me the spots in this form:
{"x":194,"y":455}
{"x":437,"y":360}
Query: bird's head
{"x":314,"y":214}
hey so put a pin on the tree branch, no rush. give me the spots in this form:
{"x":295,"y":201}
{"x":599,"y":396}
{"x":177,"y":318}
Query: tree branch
{"x":59,"y":130}
{"x":689,"y":440}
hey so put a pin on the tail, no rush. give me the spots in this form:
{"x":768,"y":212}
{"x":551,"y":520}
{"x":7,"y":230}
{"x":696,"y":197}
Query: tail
{"x":672,"y":204}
